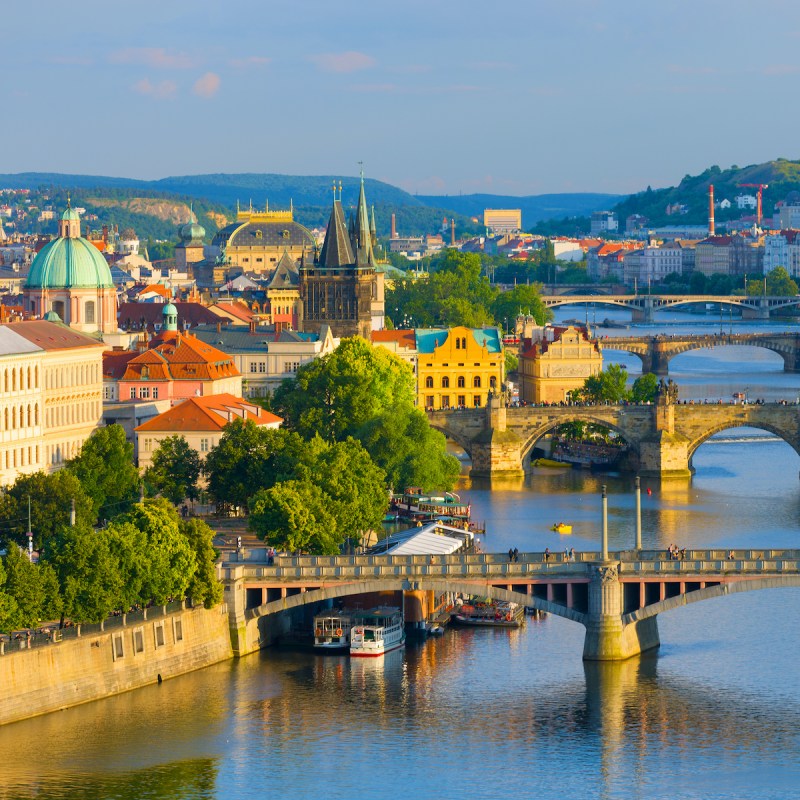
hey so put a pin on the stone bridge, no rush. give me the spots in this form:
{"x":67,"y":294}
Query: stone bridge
{"x":643,"y":306}
{"x":617,"y":600}
{"x":656,"y":352}
{"x":662,"y":438}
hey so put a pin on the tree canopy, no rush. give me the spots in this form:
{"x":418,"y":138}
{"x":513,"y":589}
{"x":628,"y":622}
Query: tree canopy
{"x":608,"y":386}
{"x":174,"y":470}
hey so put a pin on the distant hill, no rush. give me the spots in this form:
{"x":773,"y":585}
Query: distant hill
{"x":781,"y":175}
{"x":534,"y":207}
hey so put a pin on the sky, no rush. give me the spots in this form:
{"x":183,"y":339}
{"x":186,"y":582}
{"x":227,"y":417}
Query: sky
{"x":436,"y":96}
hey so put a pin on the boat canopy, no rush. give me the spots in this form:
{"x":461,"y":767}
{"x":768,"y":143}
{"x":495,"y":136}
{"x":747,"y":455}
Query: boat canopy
{"x":435,"y":538}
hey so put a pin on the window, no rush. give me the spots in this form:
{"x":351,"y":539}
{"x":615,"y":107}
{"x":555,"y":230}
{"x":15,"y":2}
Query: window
{"x":445,"y":382}
{"x":138,"y":641}
{"x":428,"y":405}
{"x":462,"y":401}
{"x":476,"y":382}
{"x":253,"y":366}
{"x":155,"y":393}
{"x":476,"y":401}
{"x":493,"y":382}
{"x":117,"y":647}
{"x":89,"y":311}
{"x":133,"y":393}
{"x":461,"y":382}
{"x":158,"y":634}
{"x":144,"y":393}
{"x":204,"y":445}
{"x":262,"y":366}
{"x":445,"y":401}
{"x":177,"y":629}
{"x":429,"y":382}
{"x":458,"y":343}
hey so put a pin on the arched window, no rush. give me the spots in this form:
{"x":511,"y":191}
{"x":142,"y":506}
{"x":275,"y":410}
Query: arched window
{"x":36,"y":414}
{"x":464,"y":343}
{"x":429,"y":382}
{"x":5,"y":374}
{"x":476,"y":382}
{"x":14,"y":418}
{"x":458,"y":343}
{"x":493,"y":382}
{"x":30,"y":416}
{"x":5,"y":427}
{"x":445,"y":382}
{"x":461,"y":382}
{"x":13,"y":380}
{"x":30,"y":385}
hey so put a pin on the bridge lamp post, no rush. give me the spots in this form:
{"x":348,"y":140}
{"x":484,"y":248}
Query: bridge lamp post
{"x":638,"y":513}
{"x":605,"y":523}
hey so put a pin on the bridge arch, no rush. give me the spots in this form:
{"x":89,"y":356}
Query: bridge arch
{"x":710,"y":592}
{"x":462,"y":441}
{"x":578,"y":416}
{"x":787,"y":437}
{"x":403,"y":584}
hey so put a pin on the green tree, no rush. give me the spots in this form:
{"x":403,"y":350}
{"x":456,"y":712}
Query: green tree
{"x":333,"y":396}
{"x":51,"y":497}
{"x":521,"y":300}
{"x":608,"y":386}
{"x":174,"y":470}
{"x":778,"y":284}
{"x":34,"y":587}
{"x":9,"y":612}
{"x":106,"y":471}
{"x":512,"y":362}
{"x":293,"y":515}
{"x":172,"y":560}
{"x":645,"y":388}
{"x":128,"y":546}
{"x":203,"y":587}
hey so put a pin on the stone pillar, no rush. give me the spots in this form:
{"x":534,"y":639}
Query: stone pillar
{"x":607,"y":638}
{"x":496,"y":451}
{"x":235,"y":596}
{"x":644,"y":311}
{"x":664,"y":453}
{"x":760,"y":311}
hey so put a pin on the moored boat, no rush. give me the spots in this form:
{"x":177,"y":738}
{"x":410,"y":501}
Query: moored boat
{"x":489,"y":615}
{"x":376,"y":632}
{"x":332,"y":631}
{"x":414,"y":504}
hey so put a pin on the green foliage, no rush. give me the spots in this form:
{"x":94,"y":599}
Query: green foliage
{"x":174,"y":470}
{"x":608,"y":386}
{"x":106,"y":471}
{"x":34,"y":587}
{"x":203,"y":587}
{"x":645,"y":388}
{"x":51,"y":497}
{"x":333,"y":396}
{"x":778,"y":284}
{"x":522,"y":299}
{"x":293,"y":515}
{"x":512,"y":362}
{"x":9,"y":611}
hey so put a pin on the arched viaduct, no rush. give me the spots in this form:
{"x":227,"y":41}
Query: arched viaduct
{"x":617,"y":600}
{"x":662,"y":437}
{"x":655,"y":352}
{"x":643,"y":306}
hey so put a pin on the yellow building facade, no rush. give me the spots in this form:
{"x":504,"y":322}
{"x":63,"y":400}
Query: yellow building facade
{"x":551,"y":366}
{"x":458,"y":367}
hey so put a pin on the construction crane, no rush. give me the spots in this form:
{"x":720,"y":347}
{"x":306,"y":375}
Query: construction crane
{"x":760,"y":187}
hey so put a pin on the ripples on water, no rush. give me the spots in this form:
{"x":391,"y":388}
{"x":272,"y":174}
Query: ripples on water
{"x":487,"y":714}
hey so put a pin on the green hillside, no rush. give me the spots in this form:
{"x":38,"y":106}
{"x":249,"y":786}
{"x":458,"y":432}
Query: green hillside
{"x":782,"y":177}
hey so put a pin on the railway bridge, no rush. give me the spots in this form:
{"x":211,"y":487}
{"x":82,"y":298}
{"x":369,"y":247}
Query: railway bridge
{"x":617,"y":598}
{"x":662,"y":437}
{"x":655,"y":352}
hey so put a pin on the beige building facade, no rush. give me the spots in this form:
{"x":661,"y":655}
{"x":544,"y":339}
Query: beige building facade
{"x":554,"y":361}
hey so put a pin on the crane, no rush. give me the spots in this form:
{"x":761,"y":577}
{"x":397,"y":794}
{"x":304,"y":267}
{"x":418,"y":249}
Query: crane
{"x":760,"y":187}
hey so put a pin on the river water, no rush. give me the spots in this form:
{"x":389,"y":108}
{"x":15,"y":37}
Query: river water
{"x":484,"y":714}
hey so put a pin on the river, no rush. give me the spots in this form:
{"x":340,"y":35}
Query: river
{"x":715,"y":713}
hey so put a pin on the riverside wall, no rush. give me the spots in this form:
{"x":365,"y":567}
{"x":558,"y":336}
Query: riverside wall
{"x":134,"y":653}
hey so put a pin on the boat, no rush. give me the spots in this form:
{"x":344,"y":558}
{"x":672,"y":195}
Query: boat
{"x":332,"y":631}
{"x":560,"y":527}
{"x":416,"y":505}
{"x":551,"y":463}
{"x":376,"y":632}
{"x":489,"y":615}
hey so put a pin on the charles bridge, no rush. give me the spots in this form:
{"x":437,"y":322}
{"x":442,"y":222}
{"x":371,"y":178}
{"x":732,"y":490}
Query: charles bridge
{"x":615,"y":596}
{"x":656,"y":352}
{"x":662,"y":437}
{"x":643,"y":306}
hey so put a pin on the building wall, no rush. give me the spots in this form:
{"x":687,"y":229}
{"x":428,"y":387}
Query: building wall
{"x":21,"y":415}
{"x":458,"y":372}
{"x":549,"y":376}
{"x":178,"y":390}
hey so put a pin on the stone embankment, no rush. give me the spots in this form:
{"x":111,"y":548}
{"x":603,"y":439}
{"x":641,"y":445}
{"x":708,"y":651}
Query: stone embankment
{"x":92,"y":663}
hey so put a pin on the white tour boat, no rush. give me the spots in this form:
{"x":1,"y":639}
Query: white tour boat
{"x":377,"y":632}
{"x":332,"y":631}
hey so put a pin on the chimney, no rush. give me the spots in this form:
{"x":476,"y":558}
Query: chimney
{"x":252,"y":325}
{"x":219,"y":327}
{"x":452,"y":232}
{"x":394,"y":227}
{"x":711,"y":209}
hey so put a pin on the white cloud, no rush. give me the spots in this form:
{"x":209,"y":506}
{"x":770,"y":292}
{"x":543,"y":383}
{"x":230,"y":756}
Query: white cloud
{"x":207,"y":85}
{"x":351,"y":61}
{"x":160,"y":90}
{"x":154,"y":57}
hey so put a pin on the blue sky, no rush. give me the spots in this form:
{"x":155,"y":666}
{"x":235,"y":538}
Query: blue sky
{"x":509,"y":97}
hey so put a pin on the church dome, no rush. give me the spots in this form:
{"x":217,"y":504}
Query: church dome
{"x":192,"y":232}
{"x":70,"y":214}
{"x":69,"y":263}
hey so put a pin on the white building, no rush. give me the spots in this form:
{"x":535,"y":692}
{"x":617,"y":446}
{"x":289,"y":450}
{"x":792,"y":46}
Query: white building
{"x":783,"y":250}
{"x":604,"y":222}
{"x":652,"y":264}
{"x":744,"y":201}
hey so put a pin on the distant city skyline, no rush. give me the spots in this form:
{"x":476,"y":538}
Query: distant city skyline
{"x":435,"y":97}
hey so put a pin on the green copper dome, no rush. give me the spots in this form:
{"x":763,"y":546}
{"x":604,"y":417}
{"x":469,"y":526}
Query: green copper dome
{"x":69,"y":263}
{"x":192,"y":232}
{"x":70,"y":214}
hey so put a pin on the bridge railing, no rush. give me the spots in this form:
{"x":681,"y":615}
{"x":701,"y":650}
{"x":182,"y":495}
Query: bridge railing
{"x":657,"y":563}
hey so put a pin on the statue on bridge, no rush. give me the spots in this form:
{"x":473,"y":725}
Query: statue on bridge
{"x":667,"y":392}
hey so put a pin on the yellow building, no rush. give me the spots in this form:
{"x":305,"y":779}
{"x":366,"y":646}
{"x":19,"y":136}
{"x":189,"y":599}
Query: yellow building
{"x":554,"y":361}
{"x":458,"y":367}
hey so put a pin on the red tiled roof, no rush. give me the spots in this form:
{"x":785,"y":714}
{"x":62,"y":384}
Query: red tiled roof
{"x":210,"y":413}
{"x":115,"y":362}
{"x":52,"y":335}
{"x":403,"y":337}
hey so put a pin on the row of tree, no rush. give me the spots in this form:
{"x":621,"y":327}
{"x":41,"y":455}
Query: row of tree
{"x":611,"y":386}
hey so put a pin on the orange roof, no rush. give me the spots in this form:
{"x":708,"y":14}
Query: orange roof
{"x":115,"y":362}
{"x":210,"y":413}
{"x":237,"y":310}
{"x":178,"y":356}
{"x":403,"y":337}
{"x":53,"y":335}
{"x":157,"y":288}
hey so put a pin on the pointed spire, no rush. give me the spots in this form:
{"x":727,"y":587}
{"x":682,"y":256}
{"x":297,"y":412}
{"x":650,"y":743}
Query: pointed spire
{"x":362,"y":244}
{"x":336,"y":250}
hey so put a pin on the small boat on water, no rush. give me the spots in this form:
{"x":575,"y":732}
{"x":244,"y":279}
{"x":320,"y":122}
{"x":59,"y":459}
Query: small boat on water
{"x":551,"y":463}
{"x":376,"y":632}
{"x":561,"y":527}
{"x":489,"y":615}
{"x":332,"y":631}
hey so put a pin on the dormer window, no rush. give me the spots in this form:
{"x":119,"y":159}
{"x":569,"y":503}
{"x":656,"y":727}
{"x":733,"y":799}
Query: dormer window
{"x":259,"y":234}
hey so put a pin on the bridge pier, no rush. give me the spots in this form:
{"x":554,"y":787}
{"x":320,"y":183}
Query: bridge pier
{"x":761,"y":311}
{"x":664,"y":453}
{"x":643,"y":311}
{"x":496,"y":451}
{"x":607,"y":637}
